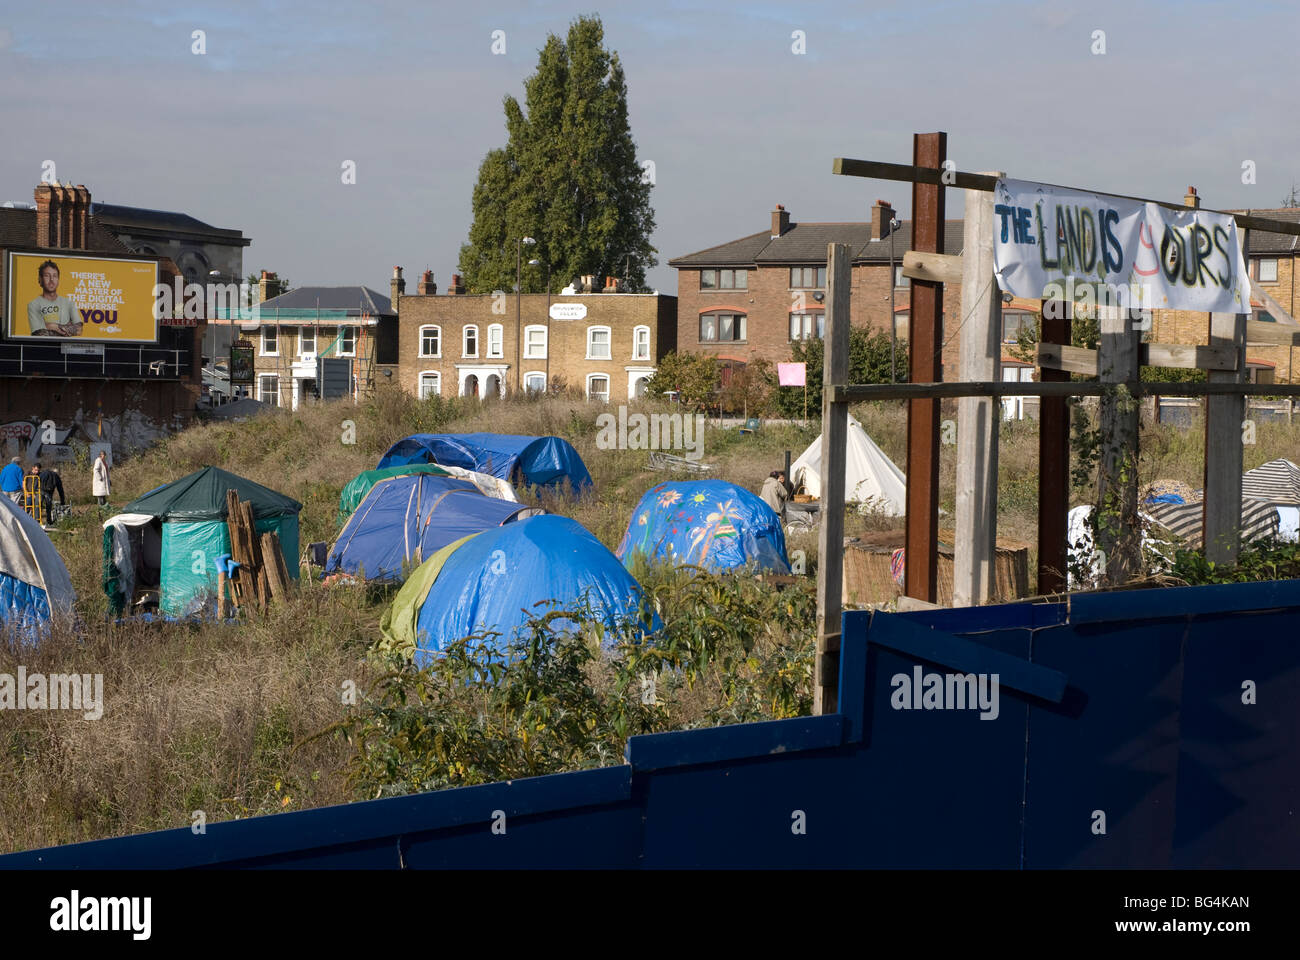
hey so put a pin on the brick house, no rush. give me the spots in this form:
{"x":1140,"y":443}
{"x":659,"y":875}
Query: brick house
{"x":598,"y":341}
{"x":753,"y":297}
{"x":127,"y":390}
{"x":295,"y":328}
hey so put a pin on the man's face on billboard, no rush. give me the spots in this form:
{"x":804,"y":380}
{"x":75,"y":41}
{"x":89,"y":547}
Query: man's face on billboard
{"x":50,"y":279}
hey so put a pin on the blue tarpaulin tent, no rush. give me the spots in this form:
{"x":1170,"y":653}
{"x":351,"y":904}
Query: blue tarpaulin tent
{"x":537,"y":461}
{"x":495,"y":579}
{"x":708,"y":523}
{"x":34,"y":583}
{"x":404,"y":520}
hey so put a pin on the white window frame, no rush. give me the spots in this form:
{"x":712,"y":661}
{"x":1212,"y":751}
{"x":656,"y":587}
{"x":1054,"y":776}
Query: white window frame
{"x":261,"y":390}
{"x":598,"y":376}
{"x":496,"y":341}
{"x":314,"y":344}
{"x":636,"y":342}
{"x":609,"y":346}
{"x":529,"y":375}
{"x":464,"y":340}
{"x":529,"y":352}
{"x":262,"y":351}
{"x":341,"y":340}
{"x":1260,"y":270}
{"x":419,"y":383}
{"x":436,"y":355}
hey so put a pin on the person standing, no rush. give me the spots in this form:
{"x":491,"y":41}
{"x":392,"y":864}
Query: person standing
{"x":774,"y":493}
{"x":11,"y":481}
{"x":51,"y":483}
{"x":99,"y":478}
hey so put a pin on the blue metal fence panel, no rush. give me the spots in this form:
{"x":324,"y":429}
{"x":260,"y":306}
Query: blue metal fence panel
{"x":1171,"y":712}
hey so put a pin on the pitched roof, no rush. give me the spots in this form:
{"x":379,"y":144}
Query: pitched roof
{"x":1262,"y":242}
{"x":142,"y":220}
{"x":806,"y":243}
{"x":353,"y":299}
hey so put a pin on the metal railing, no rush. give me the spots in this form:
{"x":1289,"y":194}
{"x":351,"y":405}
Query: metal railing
{"x":143,"y":361}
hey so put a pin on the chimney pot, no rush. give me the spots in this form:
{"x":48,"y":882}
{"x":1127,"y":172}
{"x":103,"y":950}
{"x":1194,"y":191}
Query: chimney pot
{"x":1191,"y":199}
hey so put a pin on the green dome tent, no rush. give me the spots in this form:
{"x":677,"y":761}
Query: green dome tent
{"x":167,"y":540}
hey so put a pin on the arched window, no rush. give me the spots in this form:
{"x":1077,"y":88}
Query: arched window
{"x":495,"y":336}
{"x":430,"y":384}
{"x":469,"y":342}
{"x":598,"y":387}
{"x":598,"y":345}
{"x":640,"y":343}
{"x":431,"y":341}
{"x":535,"y":342}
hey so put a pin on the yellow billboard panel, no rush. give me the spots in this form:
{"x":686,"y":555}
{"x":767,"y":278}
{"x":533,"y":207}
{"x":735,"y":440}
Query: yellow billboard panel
{"x":81,"y":298}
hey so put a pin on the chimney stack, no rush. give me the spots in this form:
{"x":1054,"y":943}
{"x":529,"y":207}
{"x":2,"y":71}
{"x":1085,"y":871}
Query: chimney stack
{"x":62,"y":216}
{"x":427,"y":288}
{"x":457,"y":288}
{"x":611,"y":285}
{"x":588,"y":284}
{"x":268,"y":286}
{"x":882,"y":211}
{"x":780,"y":221}
{"x":396,"y":287}
{"x":1191,"y":199}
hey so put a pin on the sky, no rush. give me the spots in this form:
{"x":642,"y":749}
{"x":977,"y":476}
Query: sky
{"x":253,"y":133}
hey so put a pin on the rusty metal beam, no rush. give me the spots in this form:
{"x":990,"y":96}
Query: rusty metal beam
{"x":925,"y":359}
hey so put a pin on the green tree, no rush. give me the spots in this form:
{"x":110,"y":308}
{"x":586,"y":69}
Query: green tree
{"x":693,"y":376}
{"x":568,"y":176}
{"x":868,"y":363}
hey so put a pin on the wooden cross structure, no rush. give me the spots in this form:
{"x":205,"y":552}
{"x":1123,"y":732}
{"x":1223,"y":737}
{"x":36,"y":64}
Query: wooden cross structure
{"x":1116,"y":362}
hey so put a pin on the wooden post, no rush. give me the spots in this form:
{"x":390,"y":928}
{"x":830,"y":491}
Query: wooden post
{"x":925,"y":358}
{"x":1118,"y":531}
{"x":1053,"y":459}
{"x":223,"y":608}
{"x":835,"y":429}
{"x":274,"y":577}
{"x":1223,"y":453}
{"x":977,"y":419}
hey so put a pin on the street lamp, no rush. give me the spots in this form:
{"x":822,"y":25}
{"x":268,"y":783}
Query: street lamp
{"x":893,"y":317}
{"x":519,"y":292}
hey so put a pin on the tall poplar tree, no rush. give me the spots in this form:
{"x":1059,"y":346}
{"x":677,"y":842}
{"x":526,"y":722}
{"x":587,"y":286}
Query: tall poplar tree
{"x":568,"y":176}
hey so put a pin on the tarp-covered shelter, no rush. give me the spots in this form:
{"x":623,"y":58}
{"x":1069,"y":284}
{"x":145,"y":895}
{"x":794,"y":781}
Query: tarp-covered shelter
{"x":708,"y":523}
{"x":164,"y":543}
{"x":533,"y":461}
{"x":405,"y":519}
{"x":34,"y":584}
{"x":492,"y":581}
{"x":357,"y":488}
{"x":870,"y":477}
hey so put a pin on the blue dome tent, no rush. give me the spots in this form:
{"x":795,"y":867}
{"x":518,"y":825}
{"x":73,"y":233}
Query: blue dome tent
{"x":404,"y":520}
{"x":34,"y":583}
{"x":707,"y":523}
{"x":536,"y":461}
{"x":495,"y":579}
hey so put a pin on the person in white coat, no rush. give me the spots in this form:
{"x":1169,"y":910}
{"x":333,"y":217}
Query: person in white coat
{"x":99,"y":479}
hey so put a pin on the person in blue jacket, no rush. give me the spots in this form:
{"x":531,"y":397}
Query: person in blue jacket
{"x":11,"y":481}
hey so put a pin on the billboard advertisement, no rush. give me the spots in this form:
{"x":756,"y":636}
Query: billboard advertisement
{"x":67,"y":297}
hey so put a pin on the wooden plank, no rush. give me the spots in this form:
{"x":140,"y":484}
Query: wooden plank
{"x":1059,"y":356}
{"x":872,"y":392}
{"x":1053,"y":456}
{"x":925,"y":356}
{"x":1273,"y":334}
{"x":1118,"y":529}
{"x":1280,"y":314}
{"x":936,"y":267}
{"x":835,"y":432}
{"x":977,"y":419}
{"x":1188,"y":356}
{"x":269,"y":549}
{"x":880,"y":170}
